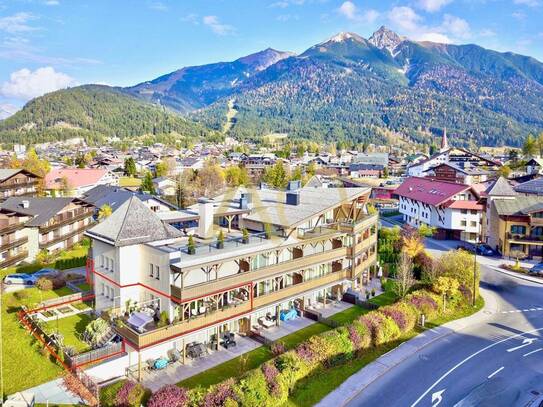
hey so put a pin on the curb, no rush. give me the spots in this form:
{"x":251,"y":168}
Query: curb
{"x":515,"y":275}
{"x":449,"y":331}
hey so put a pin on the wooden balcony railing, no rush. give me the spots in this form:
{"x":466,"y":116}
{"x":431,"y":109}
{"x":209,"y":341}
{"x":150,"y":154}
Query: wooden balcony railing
{"x":65,"y":236}
{"x":65,"y":221}
{"x":203,"y":289}
{"x":355,"y":226}
{"x":10,"y":227}
{"x":363,"y":245}
{"x":11,"y":243}
{"x":11,"y":260}
{"x":364,"y":265}
{"x":182,"y":327}
{"x":299,"y":289}
{"x":14,"y":185}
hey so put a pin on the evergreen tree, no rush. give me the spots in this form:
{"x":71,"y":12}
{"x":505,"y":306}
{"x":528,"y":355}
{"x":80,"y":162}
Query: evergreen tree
{"x":147,"y":183}
{"x":130,"y":167}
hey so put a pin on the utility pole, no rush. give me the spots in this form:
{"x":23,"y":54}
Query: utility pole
{"x":474,"y":275}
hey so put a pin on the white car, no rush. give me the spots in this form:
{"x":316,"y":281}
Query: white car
{"x":18,"y":278}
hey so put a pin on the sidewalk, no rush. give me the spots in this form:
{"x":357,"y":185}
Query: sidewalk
{"x":367,"y":375}
{"x":53,"y":392}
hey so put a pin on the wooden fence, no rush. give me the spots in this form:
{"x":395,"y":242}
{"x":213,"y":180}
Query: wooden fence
{"x":94,"y":355}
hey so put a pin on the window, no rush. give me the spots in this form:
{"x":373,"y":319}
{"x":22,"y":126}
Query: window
{"x":151,"y":269}
{"x":464,"y":211}
{"x":463,"y":223}
{"x":473,"y":223}
{"x":518,"y":229}
{"x":537,"y":215}
{"x":157,"y":272}
{"x":473,"y":212}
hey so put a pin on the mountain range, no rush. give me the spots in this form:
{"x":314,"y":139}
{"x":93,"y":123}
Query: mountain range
{"x":345,"y":88}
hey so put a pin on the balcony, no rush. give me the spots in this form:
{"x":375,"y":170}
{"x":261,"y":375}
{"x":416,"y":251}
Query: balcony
{"x":533,"y":239}
{"x":364,"y":244}
{"x":200,"y":290}
{"x":318,"y":231}
{"x":300,"y":288}
{"x":372,"y":258}
{"x":46,"y":243}
{"x":6,"y":244}
{"x":15,"y":185}
{"x":11,"y":260}
{"x":6,"y":228}
{"x":142,"y":340}
{"x":65,"y":220}
{"x":351,"y":226}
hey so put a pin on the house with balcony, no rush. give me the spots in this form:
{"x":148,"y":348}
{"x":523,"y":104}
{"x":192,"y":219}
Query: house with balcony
{"x":519,"y":227}
{"x":77,"y":181}
{"x":53,"y":224}
{"x":281,"y":252}
{"x":452,"y":208}
{"x":17,"y":182}
{"x":13,"y":239}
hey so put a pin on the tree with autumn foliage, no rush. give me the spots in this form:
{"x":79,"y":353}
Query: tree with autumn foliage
{"x":32,"y":163}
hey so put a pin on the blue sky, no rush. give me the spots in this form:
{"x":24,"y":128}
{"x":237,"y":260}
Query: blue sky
{"x":50,"y":44}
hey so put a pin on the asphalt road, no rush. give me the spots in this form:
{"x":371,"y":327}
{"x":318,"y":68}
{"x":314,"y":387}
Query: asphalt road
{"x":497,"y":361}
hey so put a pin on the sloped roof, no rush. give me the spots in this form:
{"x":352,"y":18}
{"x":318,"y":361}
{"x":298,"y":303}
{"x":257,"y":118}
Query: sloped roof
{"x":116,"y":196}
{"x":429,"y":191}
{"x":6,"y":173}
{"x":76,"y":177}
{"x":534,"y":186}
{"x":500,"y":187}
{"x":524,"y":206}
{"x":133,"y":223}
{"x":41,"y":209}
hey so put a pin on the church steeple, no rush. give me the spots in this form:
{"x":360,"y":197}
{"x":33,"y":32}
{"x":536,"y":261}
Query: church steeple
{"x":444,"y":141}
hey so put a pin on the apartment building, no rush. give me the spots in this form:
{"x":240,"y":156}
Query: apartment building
{"x":452,"y":208}
{"x":17,"y":182}
{"x":13,"y":239}
{"x":282,"y":251}
{"x":53,"y":223}
{"x":76,"y":181}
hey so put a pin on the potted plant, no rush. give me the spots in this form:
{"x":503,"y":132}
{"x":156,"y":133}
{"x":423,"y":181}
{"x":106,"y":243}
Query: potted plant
{"x":220,"y":240}
{"x":245,"y":236}
{"x":373,"y":292}
{"x":191,"y":248}
{"x":267,"y":230}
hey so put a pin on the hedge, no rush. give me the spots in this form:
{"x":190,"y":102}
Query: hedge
{"x":271,"y":383}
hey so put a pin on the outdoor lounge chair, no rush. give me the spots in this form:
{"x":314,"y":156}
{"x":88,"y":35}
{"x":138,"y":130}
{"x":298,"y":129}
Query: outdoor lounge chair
{"x":266,"y":323}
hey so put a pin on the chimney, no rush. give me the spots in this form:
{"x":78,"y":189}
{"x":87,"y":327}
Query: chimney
{"x":25,"y":204}
{"x":294,"y":185}
{"x":205,"y":224}
{"x":293,"y":198}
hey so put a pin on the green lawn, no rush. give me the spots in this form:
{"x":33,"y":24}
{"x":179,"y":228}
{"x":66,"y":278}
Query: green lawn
{"x":23,"y":364}
{"x":388,"y":297}
{"x":71,"y":328}
{"x":349,"y":315}
{"x":254,"y":358}
{"x":129,"y":182}
{"x":84,"y":287}
{"x":311,"y":390}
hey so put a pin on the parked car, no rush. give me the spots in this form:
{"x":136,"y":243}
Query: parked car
{"x":485,"y":250}
{"x":537,"y":269}
{"x":467,"y":247}
{"x":46,"y":272}
{"x":18,"y":278}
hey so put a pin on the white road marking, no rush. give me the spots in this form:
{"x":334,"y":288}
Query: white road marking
{"x":522,"y":310}
{"x":417,"y":401}
{"x":532,"y":352}
{"x":437,"y":398}
{"x":495,"y":373}
{"x":525,"y":342}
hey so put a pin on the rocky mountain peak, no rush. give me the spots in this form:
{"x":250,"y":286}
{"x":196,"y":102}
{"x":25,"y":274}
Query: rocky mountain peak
{"x":263,"y":59}
{"x":344,"y":36}
{"x":387,"y":39}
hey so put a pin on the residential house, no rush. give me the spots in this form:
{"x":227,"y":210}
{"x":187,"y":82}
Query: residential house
{"x":165,"y":186}
{"x":77,"y":181}
{"x":13,"y":239}
{"x":452,"y":208}
{"x":17,"y":182}
{"x":452,"y":172}
{"x":55,"y":223}
{"x":532,"y":187}
{"x":320,"y":243}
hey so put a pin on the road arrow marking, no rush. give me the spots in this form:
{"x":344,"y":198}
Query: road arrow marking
{"x":495,"y":373}
{"x":437,"y":398}
{"x":532,"y":352}
{"x":525,"y":342}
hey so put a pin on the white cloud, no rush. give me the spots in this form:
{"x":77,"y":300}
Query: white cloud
{"x":279,"y":4}
{"x":51,"y":2}
{"x":158,"y":6}
{"x":529,"y":3}
{"x":405,"y":18}
{"x":26,"y":84}
{"x":457,"y":27}
{"x":432,"y":6}
{"x":350,"y":11}
{"x":216,"y":26}
{"x":6,"y":110}
{"x":433,"y":37}
{"x":17,"y":23}
{"x":487,"y":32}
{"x":191,"y":18}
{"x":519,"y":15}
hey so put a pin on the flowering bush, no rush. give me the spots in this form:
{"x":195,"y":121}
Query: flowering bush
{"x":305,"y":352}
{"x":359,"y":335}
{"x":292,"y":367}
{"x":219,"y":394}
{"x":424,"y":303}
{"x":169,"y":396}
{"x":270,"y":374}
{"x":278,"y":348}
{"x":383,"y":328}
{"x":403,"y":314}
{"x":131,"y":394}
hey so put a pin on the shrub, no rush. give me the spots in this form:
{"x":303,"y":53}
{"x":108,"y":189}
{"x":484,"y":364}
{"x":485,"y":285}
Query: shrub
{"x":271,"y":375}
{"x":359,"y":335}
{"x":383,"y":328}
{"x":131,"y":394}
{"x":219,"y":394}
{"x":169,"y":396}
{"x":21,"y":295}
{"x":252,"y":389}
{"x":423,"y":303}
{"x":58,"y":282}
{"x":163,"y":321}
{"x":403,"y":314}
{"x":291,"y":367}
{"x":44,"y":284}
{"x":277,"y":348}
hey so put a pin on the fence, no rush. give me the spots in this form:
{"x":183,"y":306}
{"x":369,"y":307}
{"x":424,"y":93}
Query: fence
{"x":66,"y":299}
{"x":95,"y":355}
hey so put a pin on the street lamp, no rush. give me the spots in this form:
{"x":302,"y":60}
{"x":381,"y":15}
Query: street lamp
{"x":474,"y":273}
